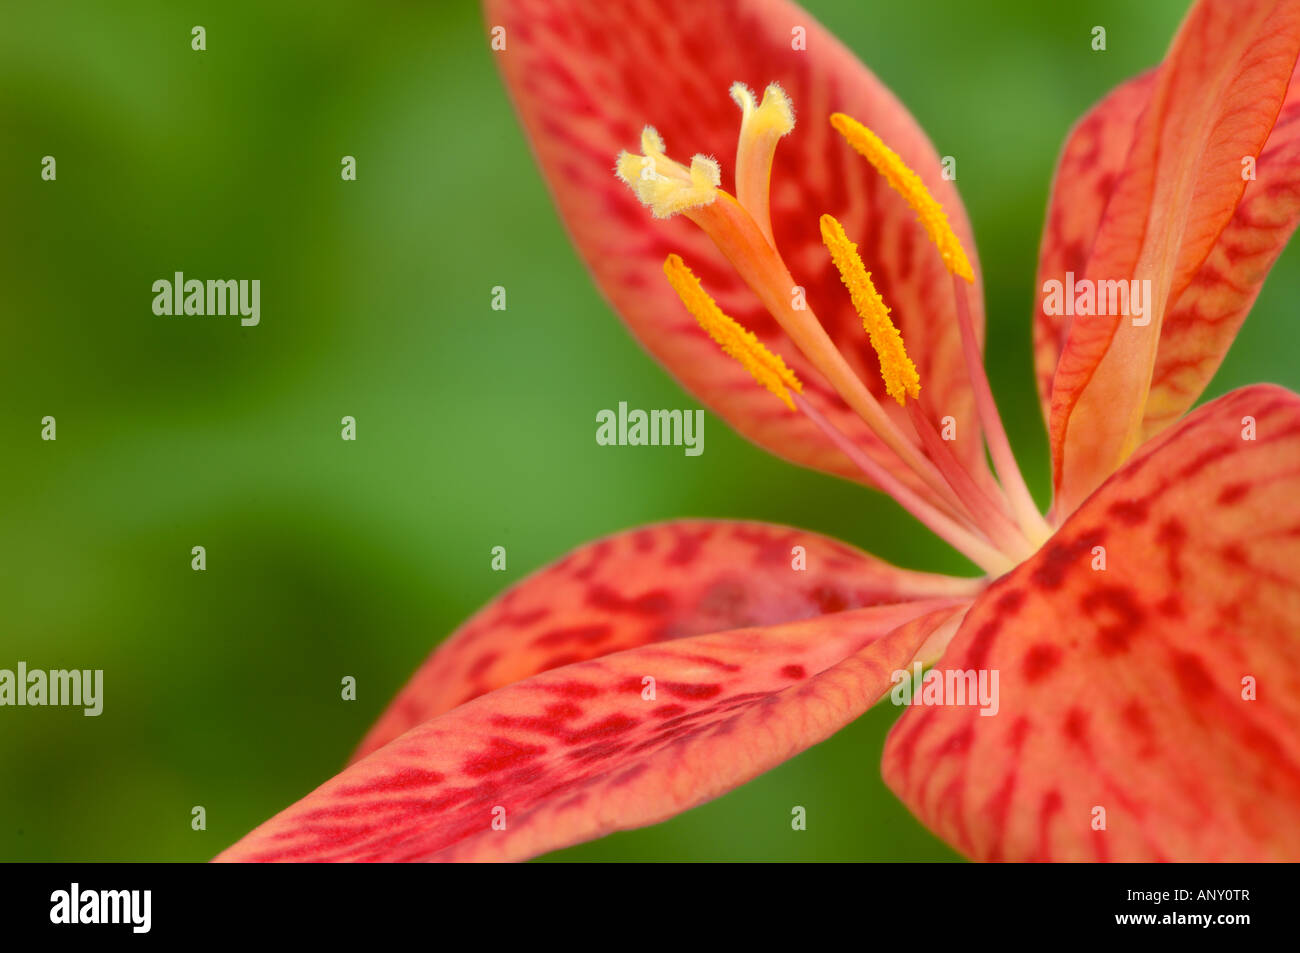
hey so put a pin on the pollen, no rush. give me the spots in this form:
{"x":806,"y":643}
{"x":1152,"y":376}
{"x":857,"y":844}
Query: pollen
{"x":665,"y":186}
{"x":909,"y":185}
{"x":767,"y":368}
{"x":901,"y":378}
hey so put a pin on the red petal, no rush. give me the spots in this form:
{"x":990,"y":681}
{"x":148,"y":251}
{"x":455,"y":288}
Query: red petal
{"x":579,"y":752}
{"x":1123,"y":689}
{"x":651,"y":584}
{"x":1215,"y":100}
{"x":586,"y":76}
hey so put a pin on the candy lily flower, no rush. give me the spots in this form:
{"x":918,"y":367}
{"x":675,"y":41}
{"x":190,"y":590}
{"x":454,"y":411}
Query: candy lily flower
{"x":826,"y":302}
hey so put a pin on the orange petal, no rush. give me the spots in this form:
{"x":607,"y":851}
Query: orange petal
{"x":586,"y":76}
{"x":1124,"y":690}
{"x":1085,"y":180}
{"x":1202,"y":323}
{"x":1199,"y":327}
{"x":652,"y":584}
{"x":1214,"y":100}
{"x":581,"y":751}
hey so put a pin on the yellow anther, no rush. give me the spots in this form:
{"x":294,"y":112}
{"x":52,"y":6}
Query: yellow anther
{"x":909,"y":185}
{"x":896,"y":367}
{"x":665,"y":186}
{"x":767,"y":368}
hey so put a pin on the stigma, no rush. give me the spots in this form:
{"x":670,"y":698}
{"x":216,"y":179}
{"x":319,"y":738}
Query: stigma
{"x":667,"y":187}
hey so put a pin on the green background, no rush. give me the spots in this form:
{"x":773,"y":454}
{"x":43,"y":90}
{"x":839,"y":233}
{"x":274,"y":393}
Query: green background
{"x":475,"y":427}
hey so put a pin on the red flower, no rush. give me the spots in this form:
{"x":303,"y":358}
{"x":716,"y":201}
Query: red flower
{"x":1144,"y":635}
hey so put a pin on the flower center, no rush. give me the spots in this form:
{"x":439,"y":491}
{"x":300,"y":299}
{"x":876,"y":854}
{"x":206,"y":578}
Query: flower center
{"x":995,"y":524}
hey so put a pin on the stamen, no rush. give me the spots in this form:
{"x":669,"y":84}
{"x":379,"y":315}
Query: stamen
{"x":901,"y":378}
{"x":665,"y":186}
{"x":1026,"y":513}
{"x":909,"y":185}
{"x":767,"y":368}
{"x":762,"y":268}
{"x":668,"y":188}
{"x":985,"y":512}
{"x":760,"y":129}
{"x":974,"y":546}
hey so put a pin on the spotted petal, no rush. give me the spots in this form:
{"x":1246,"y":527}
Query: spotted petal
{"x":1199,"y":327}
{"x":1214,"y":101}
{"x":652,"y":584}
{"x":1149,"y":710}
{"x":586,"y":76}
{"x":617,"y":742}
{"x":1086,"y":175}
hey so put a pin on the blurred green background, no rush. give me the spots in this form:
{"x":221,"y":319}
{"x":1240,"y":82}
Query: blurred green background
{"x":475,"y":427}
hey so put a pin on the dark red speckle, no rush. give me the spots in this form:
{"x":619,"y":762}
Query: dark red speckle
{"x":1059,"y":557}
{"x":690,"y":690}
{"x":1192,"y":676}
{"x":654,"y":602}
{"x":1117,"y":614}
{"x":686,"y":548}
{"x":581,"y":634}
{"x":668,"y":711}
{"x":1234,"y":554}
{"x":401,"y":780}
{"x":828,"y":600}
{"x":1009,"y":602}
{"x":1129,"y":512}
{"x":1076,"y":726}
{"x":501,"y":753}
{"x":1040,"y":660}
{"x":982,"y":642}
{"x":614,"y":724}
{"x":481,"y":665}
{"x":1233,"y":493}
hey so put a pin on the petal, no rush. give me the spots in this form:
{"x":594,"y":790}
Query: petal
{"x":651,"y":584}
{"x":1123,"y":689}
{"x":585,"y":77}
{"x":575,"y":753}
{"x":1202,"y":324}
{"x":1215,"y":99}
{"x":1086,"y":175}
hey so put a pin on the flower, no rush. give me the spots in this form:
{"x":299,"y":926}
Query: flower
{"x":1144,"y":630}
